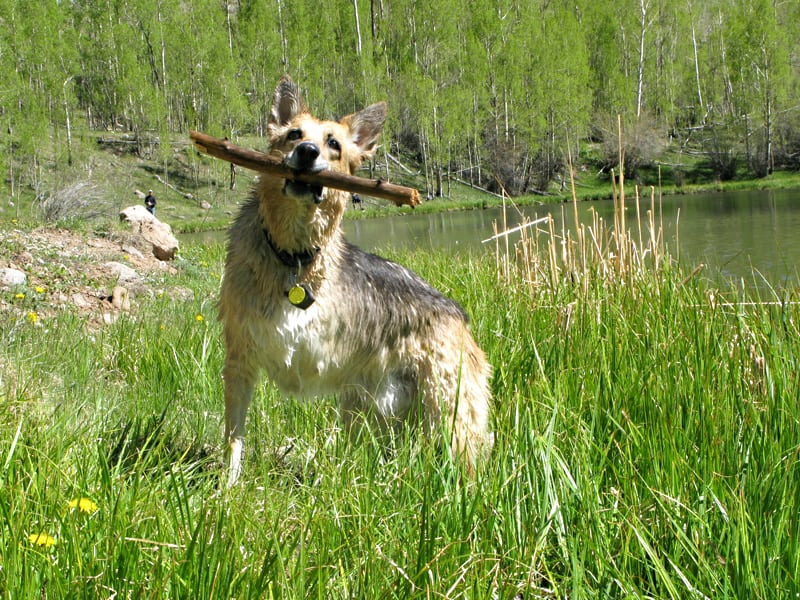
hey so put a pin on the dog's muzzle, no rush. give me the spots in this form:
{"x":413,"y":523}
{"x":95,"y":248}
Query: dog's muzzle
{"x":305,"y":157}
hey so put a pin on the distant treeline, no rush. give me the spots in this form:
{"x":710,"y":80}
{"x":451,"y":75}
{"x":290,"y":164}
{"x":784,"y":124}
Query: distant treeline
{"x":491,"y":91}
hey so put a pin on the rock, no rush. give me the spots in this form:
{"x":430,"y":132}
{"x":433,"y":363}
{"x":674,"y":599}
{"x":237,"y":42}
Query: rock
{"x":181,"y":294}
{"x":12,"y":277}
{"x":120,"y":299}
{"x":132,"y":250}
{"x":205,"y":205}
{"x":123,"y":273}
{"x":81,"y":301}
{"x":127,"y":277}
{"x":136,"y":214}
{"x":156,"y":233}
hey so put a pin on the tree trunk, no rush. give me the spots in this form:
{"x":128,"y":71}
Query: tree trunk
{"x":769,"y":162}
{"x":644,"y":6}
{"x":696,"y":61}
{"x":358,"y":28}
{"x":69,"y":127}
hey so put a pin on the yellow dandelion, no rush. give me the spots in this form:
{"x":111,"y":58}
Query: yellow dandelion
{"x":84,"y":505}
{"x":33,"y":317}
{"x":162,"y":327}
{"x":42,"y":539}
{"x":19,"y":296}
{"x":199,"y":318}
{"x":39,"y":289}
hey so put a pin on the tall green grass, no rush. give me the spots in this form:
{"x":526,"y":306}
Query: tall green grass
{"x":647,"y":446}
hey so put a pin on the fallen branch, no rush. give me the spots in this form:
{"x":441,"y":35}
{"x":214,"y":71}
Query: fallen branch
{"x":515,"y":229}
{"x":186,"y":195}
{"x":258,"y":161}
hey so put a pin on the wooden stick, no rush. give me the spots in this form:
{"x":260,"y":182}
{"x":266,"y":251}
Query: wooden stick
{"x":258,"y":161}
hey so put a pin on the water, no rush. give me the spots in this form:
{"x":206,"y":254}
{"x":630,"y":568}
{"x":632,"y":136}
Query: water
{"x":747,"y":238}
{"x":752,"y":236}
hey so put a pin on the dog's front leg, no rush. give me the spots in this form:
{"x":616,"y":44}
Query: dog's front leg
{"x":239,"y":383}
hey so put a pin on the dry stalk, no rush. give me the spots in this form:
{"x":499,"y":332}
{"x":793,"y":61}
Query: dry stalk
{"x":586,"y":252}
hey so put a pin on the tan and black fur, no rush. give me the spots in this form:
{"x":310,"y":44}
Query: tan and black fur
{"x":386,"y":343}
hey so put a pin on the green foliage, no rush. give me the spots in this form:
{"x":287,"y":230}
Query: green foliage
{"x":491,"y":92}
{"x":646,"y":442}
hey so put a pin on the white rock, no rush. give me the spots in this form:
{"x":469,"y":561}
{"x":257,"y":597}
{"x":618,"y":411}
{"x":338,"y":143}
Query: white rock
{"x":12,"y":277}
{"x":155,"y":232}
{"x":123,"y":273}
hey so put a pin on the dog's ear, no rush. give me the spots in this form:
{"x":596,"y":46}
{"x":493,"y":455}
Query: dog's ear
{"x":286,"y":103}
{"x":365,"y":127}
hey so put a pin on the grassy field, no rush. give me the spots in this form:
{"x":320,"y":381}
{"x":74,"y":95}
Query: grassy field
{"x":647,"y":446}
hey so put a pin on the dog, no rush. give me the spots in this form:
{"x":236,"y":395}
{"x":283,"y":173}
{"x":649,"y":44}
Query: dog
{"x":322,"y":317}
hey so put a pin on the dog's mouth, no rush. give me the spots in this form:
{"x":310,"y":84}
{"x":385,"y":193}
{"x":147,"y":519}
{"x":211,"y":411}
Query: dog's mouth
{"x":300,"y":189}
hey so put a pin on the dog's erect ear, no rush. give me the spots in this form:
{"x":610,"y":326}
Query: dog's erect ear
{"x":286,"y":103}
{"x":365,"y":127}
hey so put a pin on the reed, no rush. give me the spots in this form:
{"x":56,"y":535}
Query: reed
{"x":585,"y":252}
{"x":646,"y":445}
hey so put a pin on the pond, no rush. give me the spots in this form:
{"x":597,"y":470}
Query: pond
{"x":749,"y":238}
{"x":733,"y":233}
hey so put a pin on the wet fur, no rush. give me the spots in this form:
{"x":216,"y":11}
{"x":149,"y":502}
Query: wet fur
{"x":382,"y":340}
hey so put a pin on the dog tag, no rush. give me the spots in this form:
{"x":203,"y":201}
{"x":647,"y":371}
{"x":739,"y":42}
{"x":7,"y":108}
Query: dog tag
{"x":300,"y":295}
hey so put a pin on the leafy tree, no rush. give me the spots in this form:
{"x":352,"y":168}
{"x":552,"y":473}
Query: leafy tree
{"x":37,"y":61}
{"x":488,"y":90}
{"x":760,"y":67}
{"x":259,"y":46}
{"x":610,"y":50}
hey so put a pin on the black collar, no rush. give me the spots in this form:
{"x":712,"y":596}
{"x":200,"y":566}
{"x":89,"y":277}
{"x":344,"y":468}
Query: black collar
{"x":293,"y":260}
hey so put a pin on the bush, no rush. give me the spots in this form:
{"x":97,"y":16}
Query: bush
{"x":81,"y":200}
{"x":722,"y":151}
{"x":642,"y":142}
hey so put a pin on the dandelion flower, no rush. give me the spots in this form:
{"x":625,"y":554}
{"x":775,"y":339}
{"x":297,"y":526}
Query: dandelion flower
{"x":42,"y":539}
{"x":33,"y":317}
{"x":19,"y":296}
{"x":39,"y":289}
{"x":84,"y":505}
{"x":199,"y":318}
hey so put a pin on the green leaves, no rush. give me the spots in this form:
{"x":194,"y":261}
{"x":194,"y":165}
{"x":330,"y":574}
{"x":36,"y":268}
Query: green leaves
{"x":470,"y":83}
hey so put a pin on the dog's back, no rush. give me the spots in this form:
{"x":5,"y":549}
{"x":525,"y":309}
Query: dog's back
{"x":321,"y":316}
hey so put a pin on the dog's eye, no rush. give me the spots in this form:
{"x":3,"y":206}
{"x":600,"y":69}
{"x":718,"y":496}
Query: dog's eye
{"x":294,"y":134}
{"x":333,"y":144}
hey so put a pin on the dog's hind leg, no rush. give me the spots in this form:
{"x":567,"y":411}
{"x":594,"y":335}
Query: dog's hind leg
{"x":240,"y":379}
{"x":456,"y":396}
{"x":381,"y":412}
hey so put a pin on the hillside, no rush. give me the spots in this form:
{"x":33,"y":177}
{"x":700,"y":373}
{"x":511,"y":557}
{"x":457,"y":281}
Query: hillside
{"x":112,"y":171}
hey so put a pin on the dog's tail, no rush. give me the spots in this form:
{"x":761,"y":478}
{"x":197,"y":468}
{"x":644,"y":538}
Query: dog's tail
{"x":471,"y":436}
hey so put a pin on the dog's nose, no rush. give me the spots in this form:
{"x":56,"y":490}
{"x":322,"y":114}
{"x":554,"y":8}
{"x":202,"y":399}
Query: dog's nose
{"x":305,"y":153}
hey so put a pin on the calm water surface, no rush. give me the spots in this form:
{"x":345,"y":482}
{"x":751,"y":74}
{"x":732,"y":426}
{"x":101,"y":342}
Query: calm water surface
{"x":749,"y":239}
{"x":732,"y":233}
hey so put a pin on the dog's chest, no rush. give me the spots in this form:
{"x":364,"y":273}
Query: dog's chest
{"x":296,"y":350}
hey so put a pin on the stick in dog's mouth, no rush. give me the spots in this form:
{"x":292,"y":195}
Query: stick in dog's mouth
{"x":258,"y":161}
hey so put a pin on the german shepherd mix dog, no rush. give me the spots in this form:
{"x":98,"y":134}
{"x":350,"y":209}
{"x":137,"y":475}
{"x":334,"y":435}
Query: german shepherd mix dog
{"x":321,"y":316}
